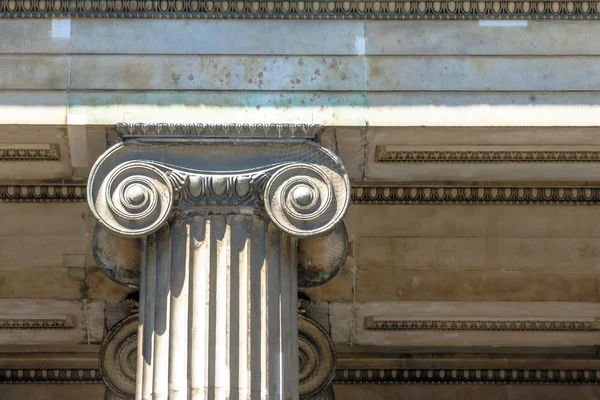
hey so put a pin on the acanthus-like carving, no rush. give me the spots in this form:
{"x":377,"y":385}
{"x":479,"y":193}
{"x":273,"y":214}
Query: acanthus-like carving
{"x":301,"y":9}
{"x":382,"y":324}
{"x":384,"y":154}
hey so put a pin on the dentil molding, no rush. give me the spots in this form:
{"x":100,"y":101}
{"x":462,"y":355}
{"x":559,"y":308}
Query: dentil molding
{"x":301,"y":9}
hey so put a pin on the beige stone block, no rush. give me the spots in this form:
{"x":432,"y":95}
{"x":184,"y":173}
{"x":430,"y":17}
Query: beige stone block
{"x":42,"y":219}
{"x":96,"y":143}
{"x":348,"y":321}
{"x":22,"y":72}
{"x":340,"y":288}
{"x":107,"y":108}
{"x":80,"y":322}
{"x":320,"y":73}
{"x":349,"y":144}
{"x":39,"y":283}
{"x":180,"y":36}
{"x":465,"y":392}
{"x":39,"y":251}
{"x":396,"y":252}
{"x":101,"y":288}
{"x":52,"y":392}
{"x":418,"y":73}
{"x":469,"y":37}
{"x":483,"y":109}
{"x":505,"y":221}
{"x":475,"y":285}
{"x":30,"y":36}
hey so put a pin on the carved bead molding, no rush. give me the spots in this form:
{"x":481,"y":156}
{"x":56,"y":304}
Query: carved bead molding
{"x":382,"y":324}
{"x":63,"y":193}
{"x":30,"y":153}
{"x":395,"y":154}
{"x":374,"y":193}
{"x":136,"y":184}
{"x":14,"y":322}
{"x":50,"y":375}
{"x":301,"y":9}
{"x":475,"y":194}
{"x":464,"y":375}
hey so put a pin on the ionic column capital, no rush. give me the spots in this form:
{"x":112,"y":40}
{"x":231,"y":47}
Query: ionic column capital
{"x":277,"y":170}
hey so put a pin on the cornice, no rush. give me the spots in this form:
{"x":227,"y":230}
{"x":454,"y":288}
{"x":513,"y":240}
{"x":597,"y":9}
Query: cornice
{"x":300,"y":9}
{"x":381,"y":324}
{"x":384,"y":155}
{"x":466,"y":375}
{"x":371,"y":193}
{"x":50,"y":375}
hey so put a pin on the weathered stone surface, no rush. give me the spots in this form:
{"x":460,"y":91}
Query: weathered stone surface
{"x":39,"y":219}
{"x":475,"y":285}
{"x":107,"y":108}
{"x":293,"y":73}
{"x":16,"y":251}
{"x":469,"y":37}
{"x":33,"y":107}
{"x":339,"y":288}
{"x":22,"y":72}
{"x":226,"y":37}
{"x":483,"y":109}
{"x":52,"y":392}
{"x":477,"y":253}
{"x":30,"y":36}
{"x":523,"y":73}
{"x":48,"y":283}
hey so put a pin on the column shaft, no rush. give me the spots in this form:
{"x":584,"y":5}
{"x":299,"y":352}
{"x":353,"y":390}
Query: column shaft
{"x":219,"y":296}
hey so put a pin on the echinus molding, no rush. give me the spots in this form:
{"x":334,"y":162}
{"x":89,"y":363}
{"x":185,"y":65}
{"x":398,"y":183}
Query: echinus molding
{"x":474,"y":194}
{"x":383,"y":324}
{"x":371,"y":193}
{"x":466,"y":375}
{"x":300,"y":9}
{"x":49,"y":375}
{"x":42,"y":193}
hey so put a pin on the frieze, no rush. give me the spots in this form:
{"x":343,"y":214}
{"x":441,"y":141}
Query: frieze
{"x":384,"y":155}
{"x":374,"y":193}
{"x":300,"y":9}
{"x":50,"y":375}
{"x":381,"y":324}
{"x":466,"y":375}
{"x":43,"y":193}
{"x":474,"y":194}
{"x":51,"y":153}
{"x":14,"y":322}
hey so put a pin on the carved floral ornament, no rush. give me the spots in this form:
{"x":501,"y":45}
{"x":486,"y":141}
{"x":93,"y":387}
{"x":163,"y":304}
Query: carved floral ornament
{"x":301,"y":9}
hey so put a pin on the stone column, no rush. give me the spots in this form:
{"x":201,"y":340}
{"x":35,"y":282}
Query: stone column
{"x":223,"y":216}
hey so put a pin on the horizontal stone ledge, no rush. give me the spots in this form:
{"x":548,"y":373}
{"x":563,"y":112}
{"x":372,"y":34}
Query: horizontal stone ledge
{"x":568,"y":193}
{"x":300,"y":9}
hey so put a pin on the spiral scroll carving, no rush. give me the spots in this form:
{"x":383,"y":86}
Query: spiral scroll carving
{"x":316,"y":358}
{"x":137,"y":199}
{"x":118,"y":357}
{"x":301,"y":199}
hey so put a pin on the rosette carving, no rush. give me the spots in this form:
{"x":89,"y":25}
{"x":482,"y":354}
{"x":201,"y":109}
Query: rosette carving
{"x":137,"y":199}
{"x":316,"y":359}
{"x":303,"y":200}
{"x":118,"y":357}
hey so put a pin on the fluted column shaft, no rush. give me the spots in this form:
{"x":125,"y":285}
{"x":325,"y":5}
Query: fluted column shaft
{"x":218,"y":312}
